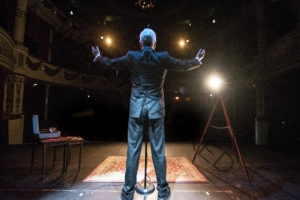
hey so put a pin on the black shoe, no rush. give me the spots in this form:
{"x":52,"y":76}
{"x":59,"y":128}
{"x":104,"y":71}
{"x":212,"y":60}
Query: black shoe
{"x":164,"y":195}
{"x":127,"y":195}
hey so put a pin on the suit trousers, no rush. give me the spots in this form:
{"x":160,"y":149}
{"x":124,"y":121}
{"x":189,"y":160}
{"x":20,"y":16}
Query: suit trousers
{"x":156,"y":135}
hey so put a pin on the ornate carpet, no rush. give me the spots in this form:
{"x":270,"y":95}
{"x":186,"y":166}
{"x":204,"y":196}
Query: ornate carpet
{"x":179,"y":170}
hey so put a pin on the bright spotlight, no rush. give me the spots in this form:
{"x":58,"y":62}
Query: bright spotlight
{"x":181,"y":43}
{"x":108,"y":41}
{"x":215,"y":82}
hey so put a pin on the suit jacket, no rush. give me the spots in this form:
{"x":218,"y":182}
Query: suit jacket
{"x":148,"y":71}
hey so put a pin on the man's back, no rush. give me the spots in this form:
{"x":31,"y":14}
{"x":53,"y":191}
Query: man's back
{"x":148,"y":71}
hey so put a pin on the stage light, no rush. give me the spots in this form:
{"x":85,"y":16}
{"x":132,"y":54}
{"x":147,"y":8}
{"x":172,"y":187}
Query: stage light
{"x":108,"y":41}
{"x":176,"y":99}
{"x":181,"y":43}
{"x":215,"y":82}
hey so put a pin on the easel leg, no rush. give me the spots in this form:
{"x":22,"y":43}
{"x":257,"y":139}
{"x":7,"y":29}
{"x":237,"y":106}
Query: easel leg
{"x":240,"y":158}
{"x":205,"y":129}
{"x":235,"y":144}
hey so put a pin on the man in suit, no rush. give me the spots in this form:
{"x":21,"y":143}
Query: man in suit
{"x":148,"y":69}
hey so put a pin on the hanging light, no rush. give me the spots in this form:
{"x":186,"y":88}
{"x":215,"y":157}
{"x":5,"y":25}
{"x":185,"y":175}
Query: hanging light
{"x":145,"y":4}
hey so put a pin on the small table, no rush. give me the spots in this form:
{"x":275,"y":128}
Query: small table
{"x":74,"y":141}
{"x":67,"y":143}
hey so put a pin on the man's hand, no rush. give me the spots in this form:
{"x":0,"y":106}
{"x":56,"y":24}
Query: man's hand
{"x":96,"y":52}
{"x":200,"y":55}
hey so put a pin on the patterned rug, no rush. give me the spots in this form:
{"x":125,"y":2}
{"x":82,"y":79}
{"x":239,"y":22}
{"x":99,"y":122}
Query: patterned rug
{"x":179,"y":170}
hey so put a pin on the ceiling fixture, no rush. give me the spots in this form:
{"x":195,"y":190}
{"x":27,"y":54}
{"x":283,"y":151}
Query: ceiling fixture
{"x":145,"y":4}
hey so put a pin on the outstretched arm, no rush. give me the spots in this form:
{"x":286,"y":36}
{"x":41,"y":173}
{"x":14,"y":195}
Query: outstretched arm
{"x":175,"y":64}
{"x":109,"y":62}
{"x":200,"y":55}
{"x":96,"y":52}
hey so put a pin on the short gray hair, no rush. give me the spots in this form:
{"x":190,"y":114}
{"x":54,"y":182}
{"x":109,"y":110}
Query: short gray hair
{"x":147,"y":36}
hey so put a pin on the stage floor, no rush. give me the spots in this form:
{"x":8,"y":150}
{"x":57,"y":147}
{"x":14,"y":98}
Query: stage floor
{"x":272,"y":174}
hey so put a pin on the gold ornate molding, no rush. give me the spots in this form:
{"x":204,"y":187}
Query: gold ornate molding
{"x":15,"y":59}
{"x":283,"y":56}
{"x":7,"y":57}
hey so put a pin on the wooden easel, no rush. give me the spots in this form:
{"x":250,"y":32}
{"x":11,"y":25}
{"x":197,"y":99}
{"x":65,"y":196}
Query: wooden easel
{"x":233,"y":139}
